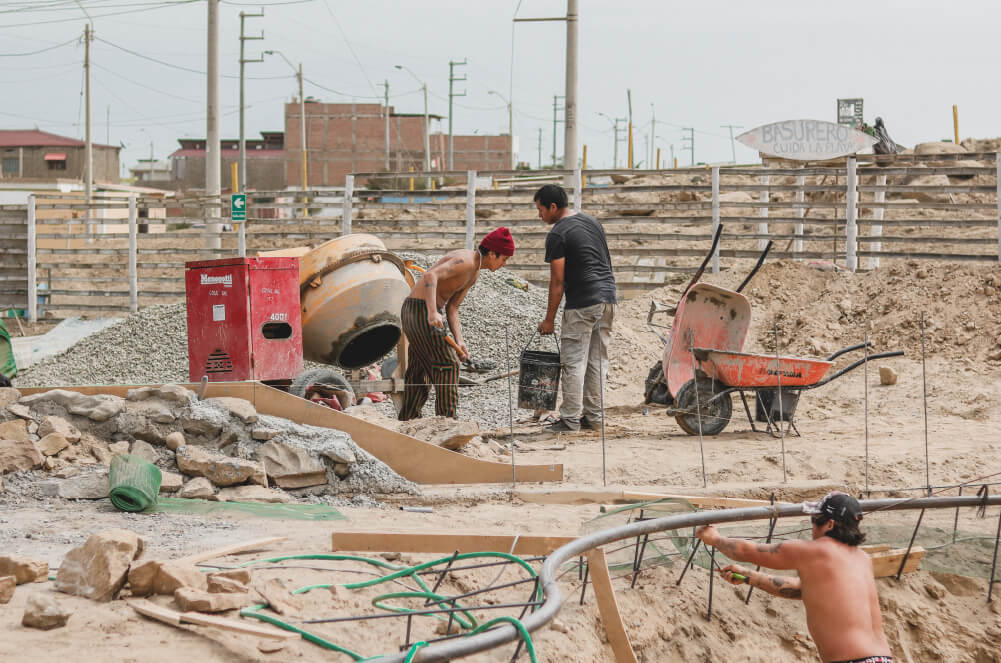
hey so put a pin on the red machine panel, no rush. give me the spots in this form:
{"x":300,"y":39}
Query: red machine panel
{"x":244,"y":319}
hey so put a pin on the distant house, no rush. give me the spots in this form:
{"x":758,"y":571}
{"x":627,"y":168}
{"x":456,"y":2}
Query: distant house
{"x":265,"y":163}
{"x":40,"y":155}
{"x":156,"y":174}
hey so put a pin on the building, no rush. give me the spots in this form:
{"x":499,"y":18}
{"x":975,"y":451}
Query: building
{"x":152,"y":173}
{"x":265,"y":157}
{"x":351,"y":138}
{"x":34,"y":154}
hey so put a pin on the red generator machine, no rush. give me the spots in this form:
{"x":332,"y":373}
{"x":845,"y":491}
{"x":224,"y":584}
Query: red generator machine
{"x":244,"y":319}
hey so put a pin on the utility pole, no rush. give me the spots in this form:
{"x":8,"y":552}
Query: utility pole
{"x":570,"y":100}
{"x":629,"y":100}
{"x":674,"y":164}
{"x":690,"y":139}
{"x":212,"y":152}
{"x":385,"y":84}
{"x":302,"y":133}
{"x":452,"y":79}
{"x":243,"y":141}
{"x":540,"y":148}
{"x":731,"y":127}
{"x":107,"y":137}
{"x":556,"y":120}
{"x":653,"y":134}
{"x":88,"y":180}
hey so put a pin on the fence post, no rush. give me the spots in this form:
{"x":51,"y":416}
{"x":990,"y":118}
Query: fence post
{"x":763,"y":213}
{"x":800,"y":211}
{"x":851,"y":230}
{"x":715,"y":178}
{"x":133,"y":250}
{"x":877,"y":215}
{"x":349,"y":192}
{"x":241,"y":231}
{"x":32,"y":275}
{"x":578,"y":194}
{"x":470,"y":207}
{"x":997,"y":179}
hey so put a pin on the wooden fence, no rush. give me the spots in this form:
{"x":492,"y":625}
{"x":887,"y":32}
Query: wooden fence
{"x":659,"y":224}
{"x":14,"y":257}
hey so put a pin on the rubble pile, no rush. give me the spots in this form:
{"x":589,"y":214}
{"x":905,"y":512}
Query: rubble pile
{"x":217,"y":448}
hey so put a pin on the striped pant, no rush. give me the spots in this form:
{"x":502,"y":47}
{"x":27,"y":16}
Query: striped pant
{"x":430,"y":361}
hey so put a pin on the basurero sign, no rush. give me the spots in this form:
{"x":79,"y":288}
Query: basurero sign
{"x":806,"y":140}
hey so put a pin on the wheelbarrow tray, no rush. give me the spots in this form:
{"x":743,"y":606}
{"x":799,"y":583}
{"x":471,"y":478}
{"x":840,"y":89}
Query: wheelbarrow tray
{"x":746,"y":370}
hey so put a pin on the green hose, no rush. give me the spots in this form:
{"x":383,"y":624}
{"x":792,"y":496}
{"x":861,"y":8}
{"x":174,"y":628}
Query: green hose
{"x":464,"y":617}
{"x":133,"y":483}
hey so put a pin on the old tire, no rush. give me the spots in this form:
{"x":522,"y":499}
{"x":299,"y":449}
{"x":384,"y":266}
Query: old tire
{"x":301,"y":384}
{"x":715,"y":415}
{"x":656,"y":389}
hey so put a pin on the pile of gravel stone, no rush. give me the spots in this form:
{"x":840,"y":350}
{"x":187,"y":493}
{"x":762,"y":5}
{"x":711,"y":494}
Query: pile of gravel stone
{"x":150,"y":347}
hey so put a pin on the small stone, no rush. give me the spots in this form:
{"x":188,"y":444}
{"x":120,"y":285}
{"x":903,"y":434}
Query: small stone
{"x":223,"y":585}
{"x":8,"y":396}
{"x":935,"y":590}
{"x":145,"y":451}
{"x":921,"y":274}
{"x":200,"y":488}
{"x":558,"y":626}
{"x":263,"y":434}
{"x":173,"y":576}
{"x":170,"y":482}
{"x":270,"y":646}
{"x":66,"y":471}
{"x":52,"y":444}
{"x":119,"y":448}
{"x":24,"y":569}
{"x":342,"y":469}
{"x":995,"y":356}
{"x":238,"y":407}
{"x":253,"y":494}
{"x":98,"y":569}
{"x":278,"y":597}
{"x":7,"y":584}
{"x":61,"y":426}
{"x":15,"y":430}
{"x":335,"y":591}
{"x":390,"y":556}
{"x":142,"y":577}
{"x":443,"y":628}
{"x":190,"y":599}
{"x":345,"y":455}
{"x":20,"y":411}
{"x":241,"y":576}
{"x":44,"y":612}
{"x":887,"y":375}
{"x":18,"y":455}
{"x":175,"y":440}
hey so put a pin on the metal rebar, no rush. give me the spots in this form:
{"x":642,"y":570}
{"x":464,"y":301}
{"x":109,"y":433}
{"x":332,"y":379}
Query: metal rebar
{"x":994,"y":561}
{"x":583,"y":587}
{"x":601,"y":399}
{"x":768,"y":539}
{"x":416,"y":613}
{"x":444,"y":572}
{"x":924,"y":399}
{"x":778,"y":372}
{"x":955,"y":520}
{"x":638,"y":562}
{"x":689,"y":562}
{"x":432,"y":571}
{"x":410,"y":622}
{"x":712,"y":576}
{"x":698,"y":407}
{"x":865,"y":381}
{"x":510,"y":405}
{"x":910,"y":545}
{"x":521,"y":615}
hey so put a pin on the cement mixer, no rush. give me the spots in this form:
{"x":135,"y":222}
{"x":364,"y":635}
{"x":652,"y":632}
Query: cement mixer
{"x":337,"y":304}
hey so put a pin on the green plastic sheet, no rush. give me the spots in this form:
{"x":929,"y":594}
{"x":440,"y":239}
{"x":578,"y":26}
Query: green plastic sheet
{"x":133,"y":483}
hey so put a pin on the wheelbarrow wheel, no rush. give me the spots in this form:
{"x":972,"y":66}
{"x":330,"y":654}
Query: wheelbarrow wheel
{"x":656,"y":388}
{"x":302,"y":385}
{"x":715,"y":414}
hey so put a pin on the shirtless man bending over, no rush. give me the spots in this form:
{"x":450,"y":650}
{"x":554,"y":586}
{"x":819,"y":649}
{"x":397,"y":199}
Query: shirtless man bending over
{"x":431,"y":361}
{"x":835,"y":579}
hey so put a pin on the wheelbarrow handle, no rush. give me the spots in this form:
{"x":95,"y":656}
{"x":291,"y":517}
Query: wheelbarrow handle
{"x":850,"y":348}
{"x":761,"y":260}
{"x":881,"y":355}
{"x":702,"y":267}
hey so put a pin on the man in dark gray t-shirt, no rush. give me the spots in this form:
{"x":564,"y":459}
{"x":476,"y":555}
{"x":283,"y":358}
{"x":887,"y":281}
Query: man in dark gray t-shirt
{"x":580,"y":267}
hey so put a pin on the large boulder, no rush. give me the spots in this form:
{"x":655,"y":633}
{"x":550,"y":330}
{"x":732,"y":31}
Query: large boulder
{"x":16,"y":429}
{"x":89,"y":486}
{"x":168,"y":392}
{"x":44,"y":612}
{"x":99,"y":407}
{"x":18,"y":455}
{"x":98,"y":569}
{"x":292,"y":467}
{"x":159,"y":577}
{"x":240,"y":408}
{"x":24,"y":569}
{"x":220,"y":470}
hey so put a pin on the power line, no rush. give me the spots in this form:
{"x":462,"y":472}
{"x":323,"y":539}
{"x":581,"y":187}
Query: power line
{"x":41,"y":50}
{"x":181,"y":67}
{"x":127,"y":11}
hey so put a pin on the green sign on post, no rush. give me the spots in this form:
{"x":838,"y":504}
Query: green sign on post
{"x":238,"y":207}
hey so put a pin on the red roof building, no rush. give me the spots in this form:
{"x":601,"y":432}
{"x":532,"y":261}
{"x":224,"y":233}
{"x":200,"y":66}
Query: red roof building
{"x":35,"y":154}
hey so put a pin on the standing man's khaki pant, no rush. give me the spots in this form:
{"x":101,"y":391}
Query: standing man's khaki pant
{"x":584,"y":336}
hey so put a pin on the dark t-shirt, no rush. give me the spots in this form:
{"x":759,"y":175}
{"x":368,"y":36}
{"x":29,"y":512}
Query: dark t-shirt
{"x":580,"y":239}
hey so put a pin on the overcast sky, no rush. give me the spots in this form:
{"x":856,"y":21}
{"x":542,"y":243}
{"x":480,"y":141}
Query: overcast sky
{"x":701,"y":65}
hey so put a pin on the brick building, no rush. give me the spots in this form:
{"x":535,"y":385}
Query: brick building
{"x":265,"y":170}
{"x":34,"y":154}
{"x":347,"y":138}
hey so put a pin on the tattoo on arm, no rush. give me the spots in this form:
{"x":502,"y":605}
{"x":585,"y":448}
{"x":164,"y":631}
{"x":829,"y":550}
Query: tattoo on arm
{"x":783,"y":589}
{"x":727,"y":546}
{"x":769,"y":547}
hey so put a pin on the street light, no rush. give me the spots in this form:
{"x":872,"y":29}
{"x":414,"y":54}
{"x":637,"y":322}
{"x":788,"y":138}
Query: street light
{"x":427,"y":123}
{"x":302,"y":112}
{"x":510,"y":124}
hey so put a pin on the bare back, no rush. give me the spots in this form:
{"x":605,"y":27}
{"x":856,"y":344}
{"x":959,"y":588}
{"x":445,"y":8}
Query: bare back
{"x":454,"y":274}
{"x":842,"y":607}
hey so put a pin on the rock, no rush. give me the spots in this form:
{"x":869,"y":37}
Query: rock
{"x":44,"y":612}
{"x":995,"y":356}
{"x":99,"y":407}
{"x":291,"y":467}
{"x":170,"y":482}
{"x":201,"y":427}
{"x":16,"y":430}
{"x":24,"y":569}
{"x":220,"y":470}
{"x":173,"y":576}
{"x":558,"y":626}
{"x":8,"y":396}
{"x":154,"y":410}
{"x":145,"y":451}
{"x":223,"y":585}
{"x":17,"y":455}
{"x":442,"y":431}
{"x":264,"y":434}
{"x":446,"y":628}
{"x":175,"y":440}
{"x":119,"y":448}
{"x":270,"y":646}
{"x":142,"y":576}
{"x":61,"y":426}
{"x":7,"y":585}
{"x":274,"y":593}
{"x":168,"y":392}
{"x":98,"y":569}
{"x":20,"y":411}
{"x":344,"y":455}
{"x":253,"y":494}
{"x":238,"y":407}
{"x":200,"y":488}
{"x":887,"y":375}
{"x":190,"y":599}
{"x":241,"y":576}
{"x":90,"y":486}
{"x":52,"y":444}
{"x":65,"y":472}
{"x":342,"y":469}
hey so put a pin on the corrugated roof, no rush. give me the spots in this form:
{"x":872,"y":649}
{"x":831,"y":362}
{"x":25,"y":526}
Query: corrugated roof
{"x":36,"y":138}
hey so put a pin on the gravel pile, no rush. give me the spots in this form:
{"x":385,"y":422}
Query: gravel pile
{"x":151,"y":346}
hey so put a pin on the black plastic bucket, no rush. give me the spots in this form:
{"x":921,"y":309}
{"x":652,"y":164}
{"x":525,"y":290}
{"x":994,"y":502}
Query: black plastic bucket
{"x":538,"y":380}
{"x":767,"y":405}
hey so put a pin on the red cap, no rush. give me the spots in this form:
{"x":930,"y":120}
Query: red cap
{"x":499,"y":241}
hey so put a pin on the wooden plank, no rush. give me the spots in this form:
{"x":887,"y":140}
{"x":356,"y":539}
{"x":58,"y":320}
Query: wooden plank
{"x":876,"y":548}
{"x":608,"y":607}
{"x":429,"y":542}
{"x":255,"y":544}
{"x":158,"y":612}
{"x":167,"y":616}
{"x":623,"y":496}
{"x":887,"y":563}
